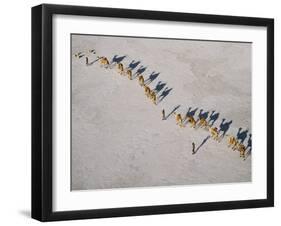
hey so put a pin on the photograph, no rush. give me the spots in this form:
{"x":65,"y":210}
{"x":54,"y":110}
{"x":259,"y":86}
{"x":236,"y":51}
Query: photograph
{"x":153,"y":111}
{"x":148,"y":112}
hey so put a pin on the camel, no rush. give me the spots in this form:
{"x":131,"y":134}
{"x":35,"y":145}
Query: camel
{"x":202,"y":123}
{"x":147,"y":90}
{"x":78,"y":55}
{"x":242,"y":150}
{"x":178,"y":119}
{"x":153,"y":97}
{"x":120,"y":68}
{"x":104,"y":62}
{"x":129,"y":73}
{"x":191,"y":120}
{"x":151,"y":94}
{"x":214,"y":132}
{"x":92,"y":51}
{"x":141,"y":80}
{"x":232,"y":142}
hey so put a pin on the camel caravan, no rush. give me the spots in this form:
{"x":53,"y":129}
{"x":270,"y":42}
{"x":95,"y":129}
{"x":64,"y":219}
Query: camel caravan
{"x":201,"y":122}
{"x":233,"y":142}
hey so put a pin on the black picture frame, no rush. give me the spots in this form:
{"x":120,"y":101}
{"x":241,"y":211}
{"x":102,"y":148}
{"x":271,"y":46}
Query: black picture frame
{"x":42,"y":111}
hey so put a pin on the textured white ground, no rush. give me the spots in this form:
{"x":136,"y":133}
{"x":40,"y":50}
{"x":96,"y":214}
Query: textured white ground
{"x":118,"y":137}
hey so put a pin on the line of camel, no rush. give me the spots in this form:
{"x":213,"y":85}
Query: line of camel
{"x":234,"y":142}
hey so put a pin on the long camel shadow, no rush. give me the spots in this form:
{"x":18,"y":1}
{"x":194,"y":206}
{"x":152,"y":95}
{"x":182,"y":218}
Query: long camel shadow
{"x":160,"y":85}
{"x":189,"y":113}
{"x":164,"y":94}
{"x":139,"y":71}
{"x":151,"y":78}
{"x":241,"y":135}
{"x":249,"y":147}
{"x":133,"y":64}
{"x":213,"y":118}
{"x":117,"y":59}
{"x":224,"y":127}
{"x":81,"y":55}
{"x":175,"y":108}
{"x":203,"y":114}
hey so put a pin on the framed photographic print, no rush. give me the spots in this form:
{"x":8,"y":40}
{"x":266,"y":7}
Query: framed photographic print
{"x":145,"y":112}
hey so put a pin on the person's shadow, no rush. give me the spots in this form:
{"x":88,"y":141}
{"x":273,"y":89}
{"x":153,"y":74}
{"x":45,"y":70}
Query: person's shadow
{"x":91,"y":63}
{"x":213,"y":118}
{"x":224,"y":127}
{"x":164,"y":93}
{"x":203,"y":142}
{"x":175,"y":108}
{"x":241,"y":135}
{"x":151,"y":78}
{"x":160,"y":85}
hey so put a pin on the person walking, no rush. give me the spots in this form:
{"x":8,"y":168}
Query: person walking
{"x":193,"y":148}
{"x":163,"y":114}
